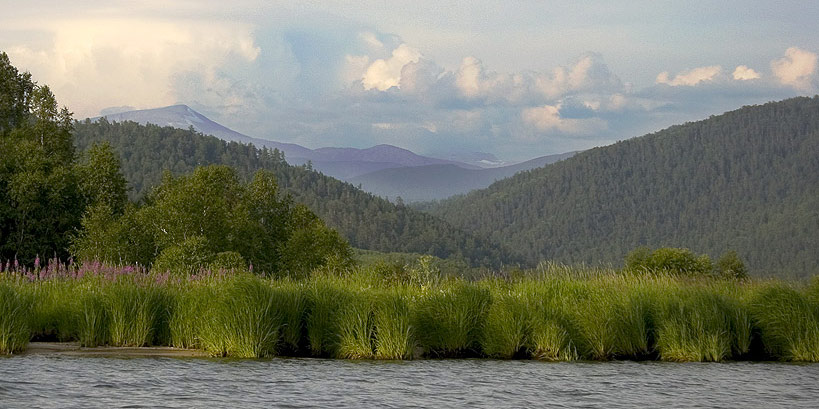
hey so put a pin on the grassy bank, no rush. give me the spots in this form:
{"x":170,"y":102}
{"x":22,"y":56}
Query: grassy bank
{"x":554,"y":313}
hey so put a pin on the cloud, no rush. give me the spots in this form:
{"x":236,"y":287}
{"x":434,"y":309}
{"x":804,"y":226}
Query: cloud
{"x":94,"y":63}
{"x":743,"y":73}
{"x":796,"y":69}
{"x":691,"y":77}
{"x":383,"y":74}
{"x":547,"y":118}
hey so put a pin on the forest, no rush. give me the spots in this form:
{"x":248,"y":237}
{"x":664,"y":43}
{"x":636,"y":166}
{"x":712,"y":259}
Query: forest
{"x":58,"y":204}
{"x":366,"y":221}
{"x":747,"y":181}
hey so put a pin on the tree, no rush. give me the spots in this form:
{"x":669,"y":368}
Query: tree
{"x":40,"y":201}
{"x":730,"y":265}
{"x":209,"y":219}
{"x":101,"y":179}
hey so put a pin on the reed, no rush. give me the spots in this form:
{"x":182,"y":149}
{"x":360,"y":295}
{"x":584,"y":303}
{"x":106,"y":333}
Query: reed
{"x":508,"y":326}
{"x":243,"y":320}
{"x":138,"y":312}
{"x":14,"y":319}
{"x":553,"y":313}
{"x":788,"y":322}
{"x":694,"y":325}
{"x":450,"y":319}
{"x":395,"y":336}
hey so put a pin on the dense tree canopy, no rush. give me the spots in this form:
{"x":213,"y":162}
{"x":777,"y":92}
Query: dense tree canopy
{"x":366,"y":221}
{"x":41,"y":201}
{"x":747,"y":180}
{"x":195,"y":220}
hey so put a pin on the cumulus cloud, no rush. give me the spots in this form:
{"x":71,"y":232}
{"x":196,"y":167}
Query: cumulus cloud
{"x":743,"y":73}
{"x":547,"y":118}
{"x":96,"y":63}
{"x":383,"y":74}
{"x":691,"y":77}
{"x":589,"y":72}
{"x":796,"y":69}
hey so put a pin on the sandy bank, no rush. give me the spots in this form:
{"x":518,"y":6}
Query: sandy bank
{"x":74,"y":349}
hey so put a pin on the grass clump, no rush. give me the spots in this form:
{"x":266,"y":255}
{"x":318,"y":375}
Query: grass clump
{"x":14,"y":319}
{"x":450,"y":319}
{"x":508,"y":326}
{"x":243,"y":320}
{"x":392,"y":320}
{"x":138,"y":313}
{"x":695,"y":325}
{"x":788,"y":322}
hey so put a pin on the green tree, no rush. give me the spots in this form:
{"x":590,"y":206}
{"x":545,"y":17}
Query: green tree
{"x":730,"y":265}
{"x":101,"y":179}
{"x":40,"y":200}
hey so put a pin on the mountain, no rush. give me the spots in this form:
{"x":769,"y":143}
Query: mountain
{"x":184,"y":117}
{"x":747,"y":180}
{"x":435,"y":182}
{"x":342,"y":163}
{"x":368,"y":222}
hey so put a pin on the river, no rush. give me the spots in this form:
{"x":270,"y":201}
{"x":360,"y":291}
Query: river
{"x":65,"y":381}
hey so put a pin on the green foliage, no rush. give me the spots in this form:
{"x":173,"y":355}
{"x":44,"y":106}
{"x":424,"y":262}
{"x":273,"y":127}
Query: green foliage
{"x":138,"y":314}
{"x":788,"y":321}
{"x":101,"y":179}
{"x":14,"y":320}
{"x":450,"y":320}
{"x":730,"y":265}
{"x":40,"y":198}
{"x":561,"y":314}
{"x":669,"y":260}
{"x":188,"y":257}
{"x":210,"y":219}
{"x":365,"y":221}
{"x":746,"y":180}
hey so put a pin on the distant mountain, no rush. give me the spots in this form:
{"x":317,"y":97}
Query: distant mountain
{"x":184,"y":117}
{"x":368,"y":222}
{"x":435,"y":182}
{"x":342,"y":163}
{"x":479,"y":159}
{"x":747,"y":180}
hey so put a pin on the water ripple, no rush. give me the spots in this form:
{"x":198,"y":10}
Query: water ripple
{"x":55,"y":381}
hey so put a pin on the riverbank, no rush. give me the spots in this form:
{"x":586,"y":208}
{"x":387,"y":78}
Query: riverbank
{"x":75,"y":349}
{"x":556,"y":313}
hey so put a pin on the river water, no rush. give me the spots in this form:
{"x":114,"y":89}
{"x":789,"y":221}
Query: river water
{"x":66,"y":381}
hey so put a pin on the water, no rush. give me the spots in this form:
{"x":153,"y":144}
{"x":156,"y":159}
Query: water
{"x":65,"y":382}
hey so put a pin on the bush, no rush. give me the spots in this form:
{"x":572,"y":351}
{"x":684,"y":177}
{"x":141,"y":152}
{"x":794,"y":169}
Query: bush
{"x":669,"y":260}
{"x":730,"y":266}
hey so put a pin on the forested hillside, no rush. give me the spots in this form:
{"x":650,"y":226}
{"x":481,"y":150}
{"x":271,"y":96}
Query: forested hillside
{"x":368,"y":222}
{"x":747,"y":180}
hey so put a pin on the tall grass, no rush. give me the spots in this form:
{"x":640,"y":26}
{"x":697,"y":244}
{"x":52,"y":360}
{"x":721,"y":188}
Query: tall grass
{"x":395,"y":336}
{"x":14,"y":320}
{"x":553,"y":313}
{"x":788,"y":321}
{"x":450,"y":319}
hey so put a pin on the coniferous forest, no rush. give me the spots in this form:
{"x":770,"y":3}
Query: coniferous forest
{"x":747,"y":180}
{"x":366,"y":221}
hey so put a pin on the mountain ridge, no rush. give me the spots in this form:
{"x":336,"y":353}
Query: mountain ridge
{"x":746,"y":180}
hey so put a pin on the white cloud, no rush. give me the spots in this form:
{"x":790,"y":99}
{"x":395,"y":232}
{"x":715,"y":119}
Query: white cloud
{"x":743,"y":73}
{"x":384,"y":74}
{"x":691,"y":77}
{"x":96,"y":63}
{"x":796,"y":69}
{"x":547,"y":118}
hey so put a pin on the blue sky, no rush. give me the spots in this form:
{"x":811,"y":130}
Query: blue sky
{"x":519,"y":79}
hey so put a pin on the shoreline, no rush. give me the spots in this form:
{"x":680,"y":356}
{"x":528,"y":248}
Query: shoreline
{"x":74,"y":349}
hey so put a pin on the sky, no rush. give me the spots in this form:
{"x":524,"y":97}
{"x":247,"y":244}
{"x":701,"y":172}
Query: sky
{"x":516,"y":78}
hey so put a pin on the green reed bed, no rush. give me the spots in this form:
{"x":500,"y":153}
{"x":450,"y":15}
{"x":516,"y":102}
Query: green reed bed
{"x":14,"y":323}
{"x":556,"y":314}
